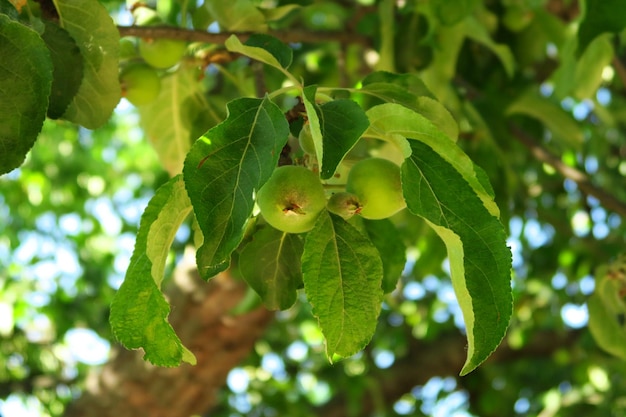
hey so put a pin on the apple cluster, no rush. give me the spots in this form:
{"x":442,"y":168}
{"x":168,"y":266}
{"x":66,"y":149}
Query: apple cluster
{"x":142,"y":60}
{"x":293,"y":197}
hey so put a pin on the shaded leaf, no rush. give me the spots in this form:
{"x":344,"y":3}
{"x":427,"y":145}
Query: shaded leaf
{"x":139,"y":311}
{"x":392,"y":250}
{"x":480,"y":261}
{"x":342,"y":122}
{"x":90,"y":25}
{"x":600,"y":16}
{"x":68,"y":68}
{"x":25,"y":84}
{"x":223,"y":170}
{"x":270,"y":264}
{"x":342,"y":273}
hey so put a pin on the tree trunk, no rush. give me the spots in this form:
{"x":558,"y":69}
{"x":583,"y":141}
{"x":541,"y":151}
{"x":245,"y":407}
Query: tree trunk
{"x":129,"y":386}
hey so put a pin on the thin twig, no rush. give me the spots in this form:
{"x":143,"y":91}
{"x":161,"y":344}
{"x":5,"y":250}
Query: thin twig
{"x":580,"y":178}
{"x":290,"y":36}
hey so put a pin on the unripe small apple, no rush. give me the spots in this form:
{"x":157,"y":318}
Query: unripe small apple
{"x":377,"y":184}
{"x":292,"y":199}
{"x":162,"y":53}
{"x":344,"y":204}
{"x":140,"y":83}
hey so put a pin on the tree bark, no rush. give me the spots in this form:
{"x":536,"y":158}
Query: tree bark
{"x":129,"y":386}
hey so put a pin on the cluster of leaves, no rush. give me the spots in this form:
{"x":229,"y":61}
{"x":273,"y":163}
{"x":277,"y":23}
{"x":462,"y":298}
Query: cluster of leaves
{"x":340,"y":266}
{"x":67,"y":59}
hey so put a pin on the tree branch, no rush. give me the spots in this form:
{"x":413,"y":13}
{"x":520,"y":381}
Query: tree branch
{"x":582,"y":181}
{"x":127,"y":386}
{"x":287,"y":36}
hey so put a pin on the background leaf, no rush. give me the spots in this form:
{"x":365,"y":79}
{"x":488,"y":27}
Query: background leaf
{"x":600,"y":16}
{"x":232,"y":160}
{"x":270,"y":264}
{"x":562,"y":124}
{"x":480,"y":261}
{"x":168,"y":121}
{"x":237,"y":15}
{"x":342,"y":274}
{"x":25,"y":83}
{"x":139,"y":311}
{"x":89,"y":23}
{"x":68,"y":68}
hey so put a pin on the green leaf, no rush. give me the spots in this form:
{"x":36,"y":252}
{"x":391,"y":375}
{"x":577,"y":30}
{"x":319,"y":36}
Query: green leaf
{"x":551,"y":115}
{"x":394,"y":123}
{"x":89,"y":23}
{"x":600,"y":16}
{"x":410,"y":91}
{"x":25,"y":83}
{"x":607,"y":309}
{"x":312,"y":110}
{"x":392,"y":250}
{"x":451,"y":12}
{"x":342,"y":122}
{"x":478,"y":32}
{"x":588,"y":73}
{"x":68,"y":68}
{"x":342,"y":273}
{"x":480,"y":261}
{"x":168,"y":121}
{"x":280,"y":51}
{"x":223,"y":170}
{"x":274,"y":14}
{"x":237,"y":15}
{"x":275,"y":56}
{"x":139,"y":311}
{"x":270,"y":264}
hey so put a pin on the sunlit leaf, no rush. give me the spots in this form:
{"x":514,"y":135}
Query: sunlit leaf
{"x":342,"y":274}
{"x":274,"y":57}
{"x":480,"y":261}
{"x":25,"y":83}
{"x":139,"y":311}
{"x":223,"y":170}
{"x":168,"y":121}
{"x":90,"y":25}
{"x":394,"y":123}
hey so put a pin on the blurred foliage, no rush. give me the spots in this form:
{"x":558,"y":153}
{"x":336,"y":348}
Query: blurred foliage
{"x":69,"y":215}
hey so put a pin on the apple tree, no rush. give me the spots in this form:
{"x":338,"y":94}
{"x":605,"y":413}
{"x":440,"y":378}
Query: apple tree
{"x":331,"y":155}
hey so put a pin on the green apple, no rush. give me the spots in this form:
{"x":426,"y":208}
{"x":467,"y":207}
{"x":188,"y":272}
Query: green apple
{"x":292,"y":199}
{"x":376,"y":182}
{"x":344,"y":204}
{"x":140,"y":83}
{"x":162,"y":53}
